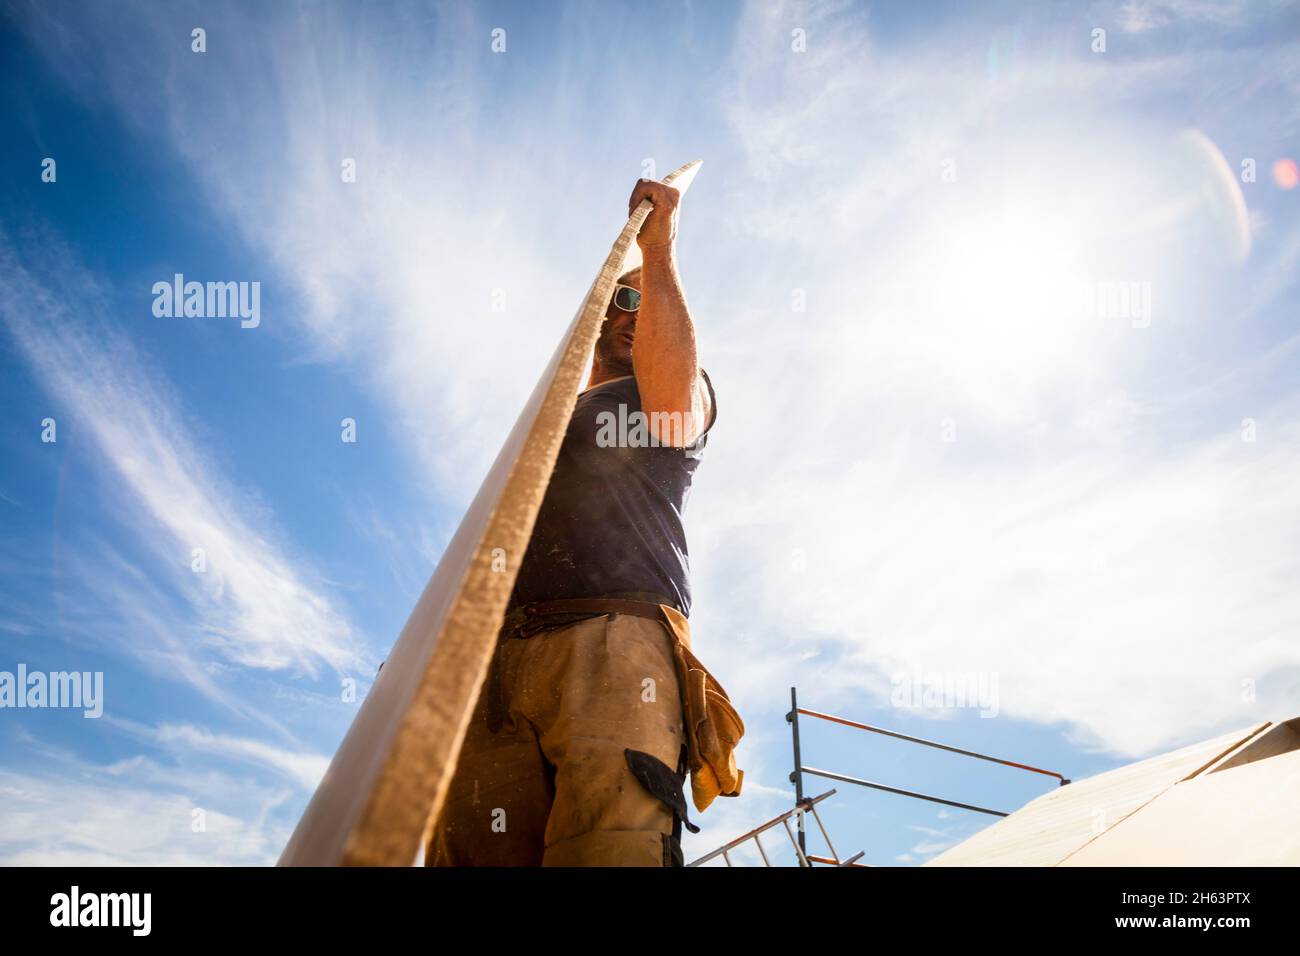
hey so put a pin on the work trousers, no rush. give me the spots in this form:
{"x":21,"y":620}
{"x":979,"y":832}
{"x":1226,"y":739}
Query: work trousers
{"x":553,"y":772}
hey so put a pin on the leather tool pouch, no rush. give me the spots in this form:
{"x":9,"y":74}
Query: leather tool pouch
{"x":713,"y":726}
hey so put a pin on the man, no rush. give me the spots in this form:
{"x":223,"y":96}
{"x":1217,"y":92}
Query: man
{"x":577,"y":750}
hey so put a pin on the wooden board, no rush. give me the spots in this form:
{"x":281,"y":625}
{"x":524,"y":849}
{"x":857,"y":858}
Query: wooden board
{"x":1277,"y":739}
{"x":1049,"y":828}
{"x":387,"y":782}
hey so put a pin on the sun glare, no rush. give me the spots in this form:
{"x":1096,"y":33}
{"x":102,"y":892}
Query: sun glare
{"x":1009,"y":293}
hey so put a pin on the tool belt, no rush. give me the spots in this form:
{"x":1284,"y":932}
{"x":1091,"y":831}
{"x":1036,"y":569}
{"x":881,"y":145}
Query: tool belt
{"x":713,"y":726}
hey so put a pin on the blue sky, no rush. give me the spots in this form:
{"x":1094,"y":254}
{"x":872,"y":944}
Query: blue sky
{"x":933,"y":454}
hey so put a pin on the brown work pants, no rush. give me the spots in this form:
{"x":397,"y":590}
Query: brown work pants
{"x":553,"y":785}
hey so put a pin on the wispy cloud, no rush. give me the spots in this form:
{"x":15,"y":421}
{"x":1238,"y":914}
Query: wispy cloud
{"x":185,"y":797}
{"x":401,"y":273}
{"x":258,"y":607}
{"x":302,"y":769}
{"x":94,"y":818}
{"x":1139,"y":16}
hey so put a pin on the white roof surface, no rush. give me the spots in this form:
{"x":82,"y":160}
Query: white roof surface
{"x":1226,"y":801}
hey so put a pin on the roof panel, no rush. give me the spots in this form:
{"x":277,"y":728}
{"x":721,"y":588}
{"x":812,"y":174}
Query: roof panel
{"x":1051,"y":827}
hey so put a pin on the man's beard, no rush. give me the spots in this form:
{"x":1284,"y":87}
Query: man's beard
{"x":613,"y":355}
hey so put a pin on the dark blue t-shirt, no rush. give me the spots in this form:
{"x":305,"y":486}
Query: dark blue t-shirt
{"x":611,"y":520}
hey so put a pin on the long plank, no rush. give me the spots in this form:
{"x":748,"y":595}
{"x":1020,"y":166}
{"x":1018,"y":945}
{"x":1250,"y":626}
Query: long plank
{"x":387,"y":782}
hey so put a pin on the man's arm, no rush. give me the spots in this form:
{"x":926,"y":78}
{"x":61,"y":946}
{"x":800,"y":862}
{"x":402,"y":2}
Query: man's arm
{"x":664,"y":358}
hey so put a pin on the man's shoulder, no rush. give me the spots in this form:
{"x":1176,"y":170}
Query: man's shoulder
{"x":618,"y":400}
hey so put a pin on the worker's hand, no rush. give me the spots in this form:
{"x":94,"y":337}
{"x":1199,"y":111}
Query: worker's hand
{"x":660,"y":227}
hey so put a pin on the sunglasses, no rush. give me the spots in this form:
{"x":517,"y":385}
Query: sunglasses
{"x":626,"y":298}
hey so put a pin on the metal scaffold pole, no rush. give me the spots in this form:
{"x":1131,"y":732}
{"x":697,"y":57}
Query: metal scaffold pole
{"x":796,"y":777}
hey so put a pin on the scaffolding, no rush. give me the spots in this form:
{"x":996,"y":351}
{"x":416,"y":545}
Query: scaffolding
{"x":808,"y":805}
{"x":805,"y":805}
{"x":796,"y":776}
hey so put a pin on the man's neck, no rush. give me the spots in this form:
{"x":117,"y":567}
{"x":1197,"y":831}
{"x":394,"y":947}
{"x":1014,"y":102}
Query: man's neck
{"x":600,"y":375}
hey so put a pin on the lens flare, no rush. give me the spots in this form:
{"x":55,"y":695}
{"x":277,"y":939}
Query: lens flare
{"x":1286,"y":174}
